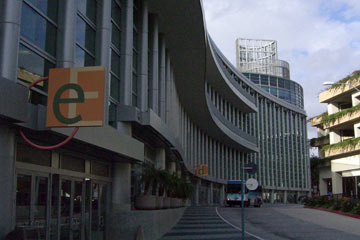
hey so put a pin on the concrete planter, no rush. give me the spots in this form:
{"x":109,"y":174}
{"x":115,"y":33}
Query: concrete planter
{"x":147,"y":202}
{"x":173,"y":202}
{"x":159,"y":202}
{"x":166,"y":202}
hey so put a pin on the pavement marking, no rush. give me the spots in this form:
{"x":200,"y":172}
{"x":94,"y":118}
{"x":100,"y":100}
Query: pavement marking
{"x":257,"y":237}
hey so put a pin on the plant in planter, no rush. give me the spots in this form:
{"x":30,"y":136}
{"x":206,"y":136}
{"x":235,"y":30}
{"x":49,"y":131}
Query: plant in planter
{"x":150,"y":179}
{"x":164,"y":178}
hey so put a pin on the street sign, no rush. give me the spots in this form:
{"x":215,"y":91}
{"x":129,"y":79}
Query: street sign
{"x":76,"y":97}
{"x":202,"y":170}
{"x":251,"y":168}
{"x":252,"y":184}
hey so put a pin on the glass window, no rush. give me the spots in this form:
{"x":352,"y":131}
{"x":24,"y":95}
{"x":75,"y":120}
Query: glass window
{"x":112,"y":115}
{"x":32,"y":66}
{"x":27,"y":154}
{"x":47,"y":7}
{"x":115,"y":63}
{"x":100,"y":169}
{"x":85,"y":35}
{"x":264,"y":80}
{"x":38,"y":30}
{"x":292,"y":86}
{"x":115,"y":36}
{"x":281,"y":83}
{"x":72,"y":163}
{"x":116,"y":12}
{"x":254,"y":78}
{"x":287,"y":84}
{"x":115,"y":88}
{"x":23,"y":200}
{"x":82,"y":58}
{"x":273,"y":91}
{"x":265,"y":88}
{"x":273,"y":81}
{"x":88,"y":9}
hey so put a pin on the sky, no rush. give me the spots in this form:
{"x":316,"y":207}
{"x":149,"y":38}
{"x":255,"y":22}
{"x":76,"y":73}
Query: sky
{"x":319,"y":38}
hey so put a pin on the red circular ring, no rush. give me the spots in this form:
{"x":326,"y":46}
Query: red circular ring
{"x":46,"y":147}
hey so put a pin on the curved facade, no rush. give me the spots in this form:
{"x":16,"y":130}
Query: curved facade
{"x":172,"y":99}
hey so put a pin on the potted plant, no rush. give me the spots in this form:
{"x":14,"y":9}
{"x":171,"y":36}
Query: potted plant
{"x":149,"y":179}
{"x":164,"y":184}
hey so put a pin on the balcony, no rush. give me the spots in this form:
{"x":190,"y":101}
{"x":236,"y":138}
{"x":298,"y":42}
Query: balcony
{"x":317,"y":121}
{"x":346,"y":148}
{"x":345,"y":117}
{"x":320,"y":141}
{"x":342,"y":89}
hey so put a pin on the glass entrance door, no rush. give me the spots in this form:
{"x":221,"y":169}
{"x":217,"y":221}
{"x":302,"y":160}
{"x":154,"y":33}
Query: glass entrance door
{"x":72,"y":209}
{"x":98,"y":210}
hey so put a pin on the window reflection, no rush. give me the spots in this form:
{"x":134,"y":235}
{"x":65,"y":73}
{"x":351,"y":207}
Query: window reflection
{"x":48,"y":7}
{"x":38,"y":30}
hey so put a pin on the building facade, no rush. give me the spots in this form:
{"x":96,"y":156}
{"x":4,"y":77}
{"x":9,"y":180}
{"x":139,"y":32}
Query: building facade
{"x":258,"y":61}
{"x":338,"y":137}
{"x":172,"y":99}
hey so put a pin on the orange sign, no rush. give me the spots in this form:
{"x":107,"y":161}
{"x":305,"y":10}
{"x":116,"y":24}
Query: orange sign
{"x":76,"y":97}
{"x":202,"y":170}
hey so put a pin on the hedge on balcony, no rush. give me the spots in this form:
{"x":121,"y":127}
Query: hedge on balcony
{"x":321,"y":115}
{"x":326,"y":119}
{"x":350,"y":142}
{"x":318,"y":140}
{"x":348,"y":79}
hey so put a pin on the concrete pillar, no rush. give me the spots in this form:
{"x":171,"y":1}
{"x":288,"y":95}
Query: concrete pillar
{"x":197,"y":192}
{"x":334,"y":137}
{"x":222,"y":195}
{"x":7,"y":172}
{"x":102,"y":45}
{"x":355,"y":98}
{"x":322,"y":187}
{"x":126,"y":53}
{"x":272,"y":194}
{"x":160,"y":159}
{"x":66,"y":34}
{"x":10,"y":15}
{"x":285,"y":197}
{"x":121,"y":186}
{"x":332,"y":108}
{"x":336,"y":183}
{"x":172,"y":167}
{"x":143,"y":71}
{"x":162,"y":76}
{"x":211,"y":194}
{"x":167,"y":87}
{"x":154,"y":46}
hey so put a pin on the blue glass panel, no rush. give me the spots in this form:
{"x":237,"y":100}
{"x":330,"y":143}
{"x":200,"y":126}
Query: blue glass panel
{"x":38,"y":30}
{"x":48,"y":7}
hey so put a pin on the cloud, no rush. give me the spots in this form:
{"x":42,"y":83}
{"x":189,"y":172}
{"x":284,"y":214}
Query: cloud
{"x":319,"y":38}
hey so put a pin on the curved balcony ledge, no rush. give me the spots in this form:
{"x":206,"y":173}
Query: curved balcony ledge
{"x":346,"y":120}
{"x":320,"y":141}
{"x":340,"y":92}
{"x":343,"y":149}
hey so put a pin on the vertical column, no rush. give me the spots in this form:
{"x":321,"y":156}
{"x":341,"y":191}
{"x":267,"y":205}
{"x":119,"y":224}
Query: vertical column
{"x":160,"y":159}
{"x":66,"y":33}
{"x":285,"y":197}
{"x":272,"y":196}
{"x":172,"y":168}
{"x":127,"y":51}
{"x":211,"y":191}
{"x":10,"y":18}
{"x":121,"y":186}
{"x":222,"y":195}
{"x":167,"y":88}
{"x":162,"y":75}
{"x":336,"y":183}
{"x":154,"y":43}
{"x":222,"y":156}
{"x":143,"y":73}
{"x":102,"y":43}
{"x":7,"y":172}
{"x":197,"y":192}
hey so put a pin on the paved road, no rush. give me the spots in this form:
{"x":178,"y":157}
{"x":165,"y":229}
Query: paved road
{"x":203,"y":223}
{"x":284,"y":222}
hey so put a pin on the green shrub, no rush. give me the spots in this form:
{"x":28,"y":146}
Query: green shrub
{"x":355,"y":210}
{"x":347,"y":205}
{"x":337,"y":204}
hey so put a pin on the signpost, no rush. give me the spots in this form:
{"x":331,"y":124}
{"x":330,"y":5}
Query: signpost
{"x":250,"y":168}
